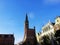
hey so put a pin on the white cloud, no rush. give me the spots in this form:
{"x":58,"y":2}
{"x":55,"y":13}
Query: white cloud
{"x":31,"y":15}
{"x":51,"y":1}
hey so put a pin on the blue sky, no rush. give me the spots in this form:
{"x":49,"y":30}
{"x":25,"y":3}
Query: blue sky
{"x":13,"y":12}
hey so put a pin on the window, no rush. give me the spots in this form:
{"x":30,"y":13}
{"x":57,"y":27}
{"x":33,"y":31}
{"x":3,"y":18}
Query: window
{"x":57,"y":20}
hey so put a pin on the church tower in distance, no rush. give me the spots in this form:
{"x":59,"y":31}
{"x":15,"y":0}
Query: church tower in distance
{"x":29,"y":34}
{"x":26,"y":27}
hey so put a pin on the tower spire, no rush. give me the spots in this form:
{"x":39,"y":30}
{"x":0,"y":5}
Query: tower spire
{"x":26,"y":20}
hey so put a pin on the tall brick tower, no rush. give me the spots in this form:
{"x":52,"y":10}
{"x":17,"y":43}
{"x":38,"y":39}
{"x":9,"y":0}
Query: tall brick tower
{"x":29,"y":34}
{"x":26,"y":27}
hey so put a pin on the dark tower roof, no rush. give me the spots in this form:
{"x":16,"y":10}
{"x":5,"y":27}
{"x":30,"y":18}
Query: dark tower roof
{"x":26,"y":20}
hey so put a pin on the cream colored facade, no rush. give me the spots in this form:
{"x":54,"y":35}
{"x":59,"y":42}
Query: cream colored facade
{"x":38,"y":37}
{"x":57,"y":23}
{"x":48,"y":29}
{"x":57,"y":20}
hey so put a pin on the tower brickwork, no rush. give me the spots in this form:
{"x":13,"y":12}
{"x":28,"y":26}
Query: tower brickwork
{"x":29,"y":34}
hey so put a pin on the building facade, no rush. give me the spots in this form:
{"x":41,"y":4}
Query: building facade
{"x":57,"y":23}
{"x":6,"y":39}
{"x":47,"y":30}
{"x":57,"y":30}
{"x":29,"y":34}
{"x":52,"y":31}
